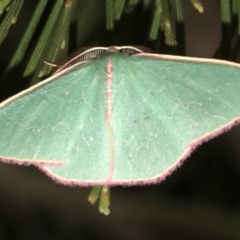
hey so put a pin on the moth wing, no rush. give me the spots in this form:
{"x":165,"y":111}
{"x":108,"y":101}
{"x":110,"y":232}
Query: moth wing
{"x":164,"y":107}
{"x":60,"y":121}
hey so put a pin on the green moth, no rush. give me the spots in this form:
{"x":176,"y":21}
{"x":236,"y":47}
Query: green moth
{"x":119,"y":116}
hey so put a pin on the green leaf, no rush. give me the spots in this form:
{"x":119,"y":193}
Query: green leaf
{"x":7,"y":81}
{"x":59,"y":36}
{"x":119,"y":6}
{"x":37,"y":55}
{"x":3,"y":5}
{"x":156,"y":20}
{"x":198,"y":5}
{"x":10,"y":18}
{"x":110,"y":14}
{"x":103,"y":194}
{"x":94,"y":194}
{"x":104,"y":202}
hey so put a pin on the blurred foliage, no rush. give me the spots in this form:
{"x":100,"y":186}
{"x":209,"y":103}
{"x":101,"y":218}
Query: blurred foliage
{"x":37,"y":35}
{"x":56,"y":28}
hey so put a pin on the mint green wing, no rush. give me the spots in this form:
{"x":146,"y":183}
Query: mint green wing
{"x":60,"y":122}
{"x":164,"y":107}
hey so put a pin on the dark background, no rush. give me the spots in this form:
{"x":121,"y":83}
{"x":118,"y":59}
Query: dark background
{"x":201,"y":200}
